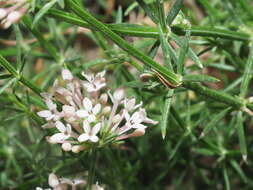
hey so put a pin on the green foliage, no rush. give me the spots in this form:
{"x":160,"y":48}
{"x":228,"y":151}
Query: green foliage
{"x":196,"y":60}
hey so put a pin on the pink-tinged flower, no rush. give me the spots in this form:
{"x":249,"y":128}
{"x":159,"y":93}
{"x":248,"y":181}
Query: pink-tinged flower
{"x":65,"y":133}
{"x":136,"y":133}
{"x":135,"y":121}
{"x":69,"y":113}
{"x":73,"y":182}
{"x":66,"y":75}
{"x":145,"y":119}
{"x":118,"y":95}
{"x":96,"y":187}
{"x":39,"y":188}
{"x":94,"y":82}
{"x":51,"y":114}
{"x":129,"y":104}
{"x":11,"y":11}
{"x":90,"y":133}
{"x":3,"y":13}
{"x":55,"y":182}
{"x":88,"y":110}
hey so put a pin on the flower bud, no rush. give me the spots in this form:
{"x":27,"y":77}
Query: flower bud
{"x":77,"y":148}
{"x":66,"y":74}
{"x":116,"y":119}
{"x":138,"y":132}
{"x":53,"y":180}
{"x":66,"y":146}
{"x":106,"y":110}
{"x":119,"y":94}
{"x":68,"y":111}
{"x":103,"y":98}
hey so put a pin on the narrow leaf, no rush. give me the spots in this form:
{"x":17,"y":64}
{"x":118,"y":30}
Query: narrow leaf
{"x":241,"y":135}
{"x":183,"y":52}
{"x":216,"y":118}
{"x":43,"y":11}
{"x":165,"y":113}
{"x":165,"y":48}
{"x":239,"y":170}
{"x":247,"y":73}
{"x":200,"y":78}
{"x":9,"y":83}
{"x":147,"y":10}
{"x":190,"y":53}
{"x":174,"y":11}
{"x":226,"y":178}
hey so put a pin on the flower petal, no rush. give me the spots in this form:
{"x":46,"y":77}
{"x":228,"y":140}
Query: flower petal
{"x":96,"y":129}
{"x":53,"y":180}
{"x":66,"y":74}
{"x":60,"y":126}
{"x":94,"y":138}
{"x":58,"y":138}
{"x":82,"y":113}
{"x":91,"y":118}
{"x":138,"y":126}
{"x":87,"y":104}
{"x":96,"y":109}
{"x":44,"y":113}
{"x":68,"y":110}
{"x":83,"y":137}
{"x":86,"y":127}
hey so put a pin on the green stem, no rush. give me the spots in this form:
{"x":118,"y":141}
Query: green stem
{"x":214,"y":94}
{"x":91,"y":174}
{"x":49,"y":47}
{"x":151,"y":32}
{"x":5,"y":64}
{"x":23,"y":107}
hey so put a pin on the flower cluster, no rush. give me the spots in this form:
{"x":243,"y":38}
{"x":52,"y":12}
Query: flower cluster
{"x":11,"y":12}
{"x":57,"y":183}
{"x":89,"y":116}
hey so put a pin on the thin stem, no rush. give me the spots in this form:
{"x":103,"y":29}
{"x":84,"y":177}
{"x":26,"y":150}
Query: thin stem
{"x":151,"y":32}
{"x":93,"y":159}
{"x":214,"y":94}
{"x":5,"y":64}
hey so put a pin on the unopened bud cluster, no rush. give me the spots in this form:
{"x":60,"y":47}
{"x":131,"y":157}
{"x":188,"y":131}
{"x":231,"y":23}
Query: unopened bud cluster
{"x":87,"y":114}
{"x":11,"y":12}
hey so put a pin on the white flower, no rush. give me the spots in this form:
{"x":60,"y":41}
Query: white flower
{"x":97,"y":187}
{"x":90,"y":133}
{"x":48,"y":115}
{"x":129,"y":104}
{"x":69,"y":113}
{"x":118,"y":95}
{"x":73,"y":182}
{"x":88,"y":110}
{"x":66,"y":146}
{"x":65,"y":133}
{"x":39,"y":188}
{"x":145,"y":119}
{"x":3,"y":13}
{"x":135,"y":121}
{"x":94,"y":82}
{"x":13,"y":17}
{"x":52,"y":113}
{"x":56,"y":183}
{"x":66,"y":75}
